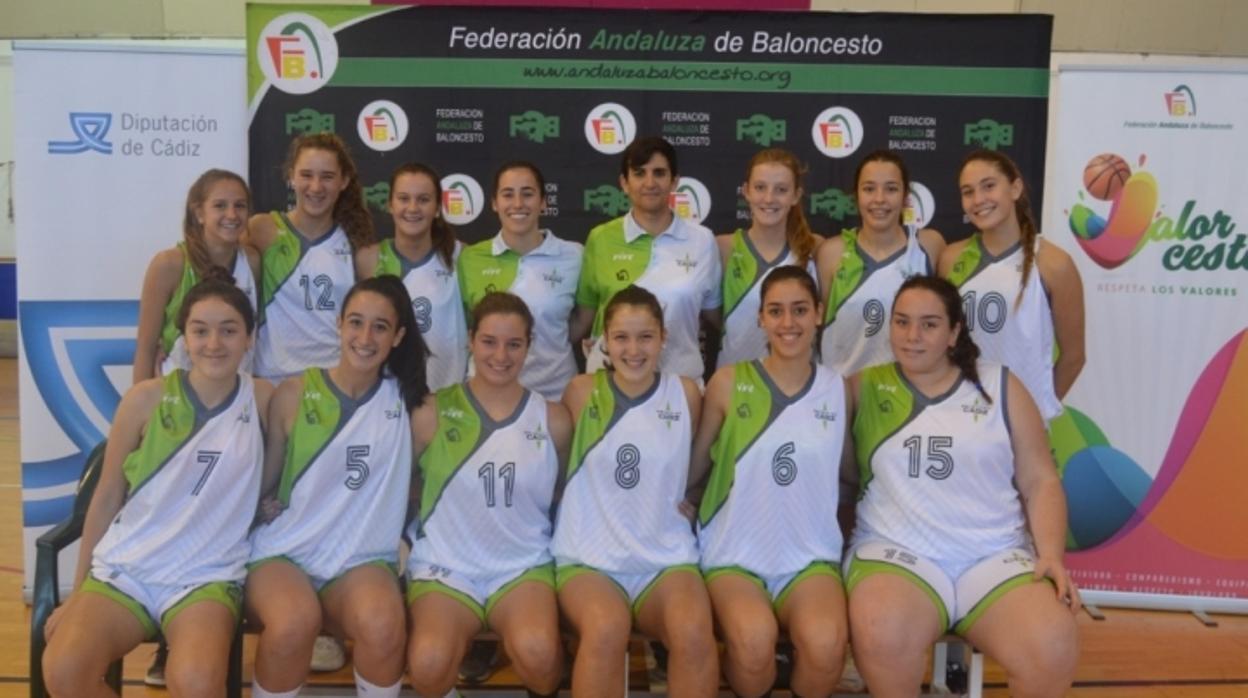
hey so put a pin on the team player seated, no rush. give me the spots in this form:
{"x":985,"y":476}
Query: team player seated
{"x":962,"y":518}
{"x":490,"y":456}
{"x":337,"y":470}
{"x":164,"y":544}
{"x":773,"y":435}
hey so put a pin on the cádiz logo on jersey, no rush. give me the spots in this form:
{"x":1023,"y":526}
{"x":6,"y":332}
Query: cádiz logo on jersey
{"x":72,"y":348}
{"x":920,"y":206}
{"x":382,"y":125}
{"x":667,"y":415}
{"x":610,"y":127}
{"x":978,"y":407}
{"x":837,"y":132}
{"x":297,"y":53}
{"x":462,"y":199}
{"x":553,"y":277}
{"x":691,"y":200}
{"x":537,"y":436}
{"x":825,"y":415}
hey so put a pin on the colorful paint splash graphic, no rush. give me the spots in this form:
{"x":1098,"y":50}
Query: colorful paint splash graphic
{"x":1133,"y":200}
{"x":1196,"y":505}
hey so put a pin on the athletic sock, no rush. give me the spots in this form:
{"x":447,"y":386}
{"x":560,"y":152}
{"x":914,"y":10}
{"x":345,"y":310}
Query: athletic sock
{"x":258,"y":691}
{"x":363,"y":688}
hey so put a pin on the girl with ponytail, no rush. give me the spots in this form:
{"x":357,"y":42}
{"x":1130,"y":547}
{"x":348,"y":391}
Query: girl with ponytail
{"x":213,"y":224}
{"x":962,"y":516}
{"x":307,"y":255}
{"x":337,"y":472}
{"x":1022,"y":294}
{"x":422,"y":253}
{"x":861,"y":269}
{"x":778,"y":236}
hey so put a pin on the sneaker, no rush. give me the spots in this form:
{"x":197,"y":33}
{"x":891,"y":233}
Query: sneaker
{"x":328,"y":654}
{"x":851,"y":680}
{"x":481,"y":661}
{"x":155,"y":675}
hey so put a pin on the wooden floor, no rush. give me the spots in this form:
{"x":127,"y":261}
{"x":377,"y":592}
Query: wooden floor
{"x":1133,"y":654}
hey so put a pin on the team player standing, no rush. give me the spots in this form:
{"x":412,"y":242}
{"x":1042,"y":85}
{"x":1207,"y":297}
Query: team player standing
{"x":525,"y":509}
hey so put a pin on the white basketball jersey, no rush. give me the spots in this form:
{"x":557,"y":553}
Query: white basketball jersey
{"x":301,"y":312}
{"x":194,"y":483}
{"x":771,"y":504}
{"x":860,"y":304}
{"x":743,"y":339}
{"x":439,"y":316}
{"x":487,"y":488}
{"x":626,"y":479}
{"x":941,"y":474}
{"x":1019,"y":336}
{"x":345,"y":481}
{"x":246,"y":282}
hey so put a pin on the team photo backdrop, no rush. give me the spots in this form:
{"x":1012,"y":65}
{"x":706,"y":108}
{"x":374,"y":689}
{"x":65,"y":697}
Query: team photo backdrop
{"x":467,"y":89}
{"x":1149,"y":200}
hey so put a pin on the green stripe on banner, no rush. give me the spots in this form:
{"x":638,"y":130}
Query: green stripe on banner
{"x":555,"y":74}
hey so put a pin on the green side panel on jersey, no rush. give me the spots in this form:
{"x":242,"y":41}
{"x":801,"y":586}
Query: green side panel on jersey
{"x":968,"y":261}
{"x":749,"y":413}
{"x":459,"y":431}
{"x":611,"y":264}
{"x":316,"y":423}
{"x":171,"y":424}
{"x":885,"y":405}
{"x":848,"y":276}
{"x":595,"y":419}
{"x":388,"y":263}
{"x":278,"y":261}
{"x":169,"y":331}
{"x":739,"y":273}
{"x":480,"y":271}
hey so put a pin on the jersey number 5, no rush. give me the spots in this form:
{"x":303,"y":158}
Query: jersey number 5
{"x":357,"y":466}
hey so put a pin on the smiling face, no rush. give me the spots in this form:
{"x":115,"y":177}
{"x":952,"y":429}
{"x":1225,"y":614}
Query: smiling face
{"x":413,"y":204}
{"x":771,"y":192}
{"x":499,"y":344}
{"x":789,"y":316}
{"x":649,"y":186}
{"x":988,"y":195}
{"x":519,"y":201}
{"x":317,"y":181}
{"x":369,"y":329}
{"x":634,"y":342}
{"x":920,"y":332}
{"x":216,"y":338}
{"x":223,"y":213}
{"x":881,"y":195}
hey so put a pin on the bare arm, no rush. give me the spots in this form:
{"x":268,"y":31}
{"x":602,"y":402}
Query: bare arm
{"x":366,"y":261}
{"x":561,"y":433}
{"x":159,"y":283}
{"x":283,"y":407}
{"x":1044,"y":501}
{"x":714,"y":410}
{"x":948,"y":258}
{"x":581,"y":322}
{"x":850,"y":477}
{"x":260,"y":232}
{"x":933,"y":243}
{"x":827,"y":262}
{"x":1065,"y":288}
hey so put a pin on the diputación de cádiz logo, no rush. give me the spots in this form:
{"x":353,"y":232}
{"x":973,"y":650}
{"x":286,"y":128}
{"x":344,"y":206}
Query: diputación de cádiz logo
{"x":610,"y":127}
{"x":690,"y":200}
{"x":382,"y":125}
{"x":90,"y":134}
{"x":462,"y":199}
{"x":920,"y":206}
{"x":1198,"y":241}
{"x":297,"y":53}
{"x":837,"y":132}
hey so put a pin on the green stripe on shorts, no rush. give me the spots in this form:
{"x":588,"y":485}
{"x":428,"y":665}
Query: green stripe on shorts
{"x":420,"y":587}
{"x":543,"y":574}
{"x":645,"y":593}
{"x":95,"y":586}
{"x":819,"y":567}
{"x":228,"y":594}
{"x":989,"y":599}
{"x":860,"y":569}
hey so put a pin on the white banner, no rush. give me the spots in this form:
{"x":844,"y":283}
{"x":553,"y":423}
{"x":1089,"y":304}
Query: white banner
{"x":1149,"y":199}
{"x":109,"y":138}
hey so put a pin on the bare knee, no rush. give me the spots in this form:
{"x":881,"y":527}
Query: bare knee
{"x":67,"y":672}
{"x":752,"y":650}
{"x":1046,"y":666}
{"x":291,"y":631}
{"x":820,"y":649}
{"x":605,"y":632}
{"x":535,"y":651}
{"x":431,"y":665}
{"x":384,"y":633}
{"x":691,"y":638}
{"x":196,"y":677}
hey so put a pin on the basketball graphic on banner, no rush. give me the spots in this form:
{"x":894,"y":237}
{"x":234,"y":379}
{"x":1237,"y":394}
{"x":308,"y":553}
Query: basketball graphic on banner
{"x":1105,"y":175}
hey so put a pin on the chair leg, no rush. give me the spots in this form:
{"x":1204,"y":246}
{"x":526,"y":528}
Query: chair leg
{"x":234,"y":675}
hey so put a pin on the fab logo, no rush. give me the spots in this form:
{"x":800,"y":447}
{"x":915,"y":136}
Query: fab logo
{"x":382,"y":125}
{"x":610,"y":127}
{"x":297,"y":53}
{"x":691,"y":200}
{"x":1181,"y":102}
{"x":837,"y":132}
{"x":462,"y":198}
{"x":920,"y":206}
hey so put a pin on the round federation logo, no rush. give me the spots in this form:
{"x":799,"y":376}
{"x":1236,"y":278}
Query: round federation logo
{"x":382,"y":125}
{"x":691,"y":200}
{"x":610,"y":127}
{"x":297,"y":53}
{"x":462,"y":199}
{"x":920,"y":206}
{"x":837,"y":132}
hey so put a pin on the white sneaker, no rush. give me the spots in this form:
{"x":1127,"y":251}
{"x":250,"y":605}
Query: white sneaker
{"x":328,"y":654}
